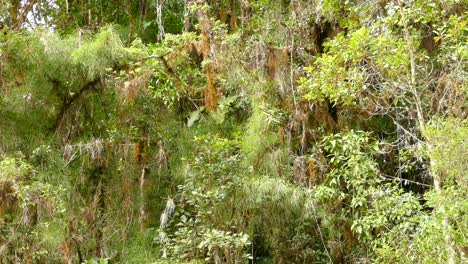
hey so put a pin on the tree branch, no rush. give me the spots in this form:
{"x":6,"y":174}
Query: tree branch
{"x":67,"y":102}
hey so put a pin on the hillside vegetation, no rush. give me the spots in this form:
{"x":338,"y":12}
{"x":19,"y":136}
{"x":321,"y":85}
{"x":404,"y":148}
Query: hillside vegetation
{"x":233,"y":131}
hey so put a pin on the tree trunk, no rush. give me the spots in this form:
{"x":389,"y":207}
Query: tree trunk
{"x":230,"y":16}
{"x":422,"y":126}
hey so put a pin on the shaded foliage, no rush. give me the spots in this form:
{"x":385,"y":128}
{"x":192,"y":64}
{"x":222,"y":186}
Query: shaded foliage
{"x":228,"y":131}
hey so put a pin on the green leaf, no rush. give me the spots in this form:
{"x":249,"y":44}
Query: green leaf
{"x":218,"y":116}
{"x":194,"y":116}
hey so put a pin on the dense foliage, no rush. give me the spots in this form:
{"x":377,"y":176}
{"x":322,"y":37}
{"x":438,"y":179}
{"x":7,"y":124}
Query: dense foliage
{"x":233,"y":131}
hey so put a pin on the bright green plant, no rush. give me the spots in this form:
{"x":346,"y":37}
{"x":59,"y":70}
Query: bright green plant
{"x":203,"y":225}
{"x":30,"y":213}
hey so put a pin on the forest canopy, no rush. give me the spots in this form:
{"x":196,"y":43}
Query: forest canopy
{"x":233,"y":131}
